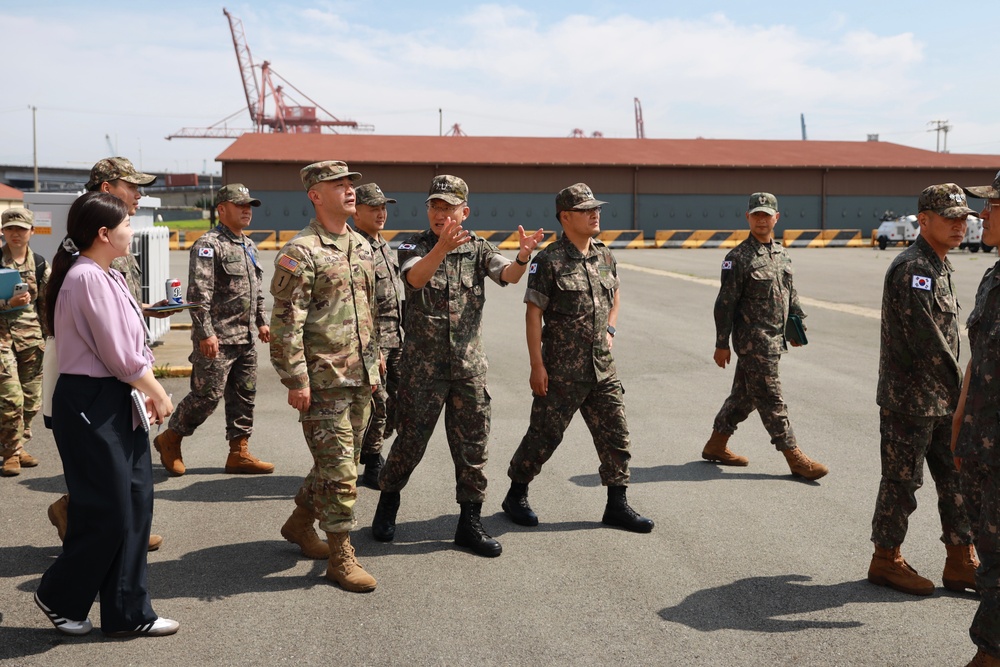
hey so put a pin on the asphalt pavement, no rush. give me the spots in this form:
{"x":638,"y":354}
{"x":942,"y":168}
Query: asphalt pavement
{"x":746,"y":566}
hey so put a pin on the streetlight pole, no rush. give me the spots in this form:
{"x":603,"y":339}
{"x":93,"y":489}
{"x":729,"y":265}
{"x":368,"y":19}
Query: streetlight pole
{"x":34,"y":144}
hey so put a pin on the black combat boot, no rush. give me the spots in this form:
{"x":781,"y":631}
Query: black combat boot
{"x":618,"y":513}
{"x":373,"y":466}
{"x":516,"y":506}
{"x":384,"y":522}
{"x":470,"y":532}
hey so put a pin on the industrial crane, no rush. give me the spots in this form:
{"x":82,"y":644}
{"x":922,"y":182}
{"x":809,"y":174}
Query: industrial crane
{"x":288,"y":116}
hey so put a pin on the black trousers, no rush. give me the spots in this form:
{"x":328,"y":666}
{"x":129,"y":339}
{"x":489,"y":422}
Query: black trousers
{"x":109,"y":477}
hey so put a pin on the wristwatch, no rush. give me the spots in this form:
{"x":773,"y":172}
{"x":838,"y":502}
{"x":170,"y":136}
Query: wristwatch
{"x":612,"y":330}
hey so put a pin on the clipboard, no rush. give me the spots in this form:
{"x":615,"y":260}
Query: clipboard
{"x":794,"y":331}
{"x":173,"y":307}
{"x":139,"y":405}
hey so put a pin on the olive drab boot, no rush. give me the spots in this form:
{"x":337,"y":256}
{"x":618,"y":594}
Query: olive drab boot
{"x":384,"y":522}
{"x":802,"y":466}
{"x":619,"y":513}
{"x":516,"y":506}
{"x":242,"y":462}
{"x":298,"y":529}
{"x":889,"y":569}
{"x":168,"y":444}
{"x":984,"y":659}
{"x":717,"y":449}
{"x":960,"y":568}
{"x":344,"y":569}
{"x":470,"y":533}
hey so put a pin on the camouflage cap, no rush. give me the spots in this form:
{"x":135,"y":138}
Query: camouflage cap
{"x":328,"y":170}
{"x":762,"y":201}
{"x":985,"y":191}
{"x":236,"y":193}
{"x":947,"y":200}
{"x":370,"y":194}
{"x":17,"y":217}
{"x":451,"y":189}
{"x":115,"y":169}
{"x":577,"y":197}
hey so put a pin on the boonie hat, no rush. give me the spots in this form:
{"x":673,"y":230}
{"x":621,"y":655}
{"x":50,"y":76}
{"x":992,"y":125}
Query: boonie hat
{"x":947,"y":200}
{"x":577,"y":197}
{"x":236,"y":193}
{"x":17,"y":217}
{"x":370,"y":194}
{"x":762,"y":201}
{"x":115,"y":169}
{"x":328,"y":170}
{"x":985,"y":191}
{"x":451,"y":189}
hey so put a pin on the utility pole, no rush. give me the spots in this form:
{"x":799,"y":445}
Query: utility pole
{"x":440,"y":123}
{"x":34,"y":144}
{"x":941,"y":127}
{"x":802,"y":118}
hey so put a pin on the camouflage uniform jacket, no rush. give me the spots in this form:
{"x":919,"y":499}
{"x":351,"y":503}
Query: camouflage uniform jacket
{"x":755,"y":299}
{"x":980,"y":435}
{"x":444,"y":319}
{"x":323,"y":323}
{"x":575,"y":293}
{"x":128,"y":266}
{"x":24,"y":328}
{"x":918,"y":371}
{"x":225,"y":274}
{"x":388,"y":293}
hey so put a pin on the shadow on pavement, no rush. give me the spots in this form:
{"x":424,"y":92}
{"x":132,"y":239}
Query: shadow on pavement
{"x":231,"y":488}
{"x":692,"y":471}
{"x":755,"y":604}
{"x":23,"y":642}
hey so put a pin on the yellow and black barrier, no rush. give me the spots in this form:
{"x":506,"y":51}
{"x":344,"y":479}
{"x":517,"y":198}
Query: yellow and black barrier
{"x":700,"y":238}
{"x":265,"y":239}
{"x":189,"y":238}
{"x":175,"y":240}
{"x":822,"y":238}
{"x":622,"y":238}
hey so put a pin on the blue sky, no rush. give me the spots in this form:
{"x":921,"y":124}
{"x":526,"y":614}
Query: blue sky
{"x":135,"y":72}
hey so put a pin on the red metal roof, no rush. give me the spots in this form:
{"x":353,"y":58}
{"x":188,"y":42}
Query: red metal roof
{"x":7,"y":192}
{"x":537,"y":151}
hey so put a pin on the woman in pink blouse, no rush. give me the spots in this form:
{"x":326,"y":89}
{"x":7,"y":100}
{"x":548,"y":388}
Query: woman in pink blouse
{"x":100,"y":340}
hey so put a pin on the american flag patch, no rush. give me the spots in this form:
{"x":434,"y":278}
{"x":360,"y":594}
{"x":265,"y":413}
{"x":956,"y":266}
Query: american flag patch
{"x":921,"y":282}
{"x":288,"y":263}
{"x":206,"y":252}
{"x":727,"y":265}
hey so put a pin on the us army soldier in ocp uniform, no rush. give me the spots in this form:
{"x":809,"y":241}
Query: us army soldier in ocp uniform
{"x":224,"y":274}
{"x":324,"y":348}
{"x":919,"y":382}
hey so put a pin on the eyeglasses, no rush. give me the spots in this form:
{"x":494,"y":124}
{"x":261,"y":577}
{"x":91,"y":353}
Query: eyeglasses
{"x":596,"y":209}
{"x":444,"y":210}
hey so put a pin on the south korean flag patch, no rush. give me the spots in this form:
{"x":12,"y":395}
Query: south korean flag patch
{"x":533,"y":268}
{"x":407,"y":246}
{"x":727,"y":265}
{"x":206,"y":252}
{"x":921,"y":282}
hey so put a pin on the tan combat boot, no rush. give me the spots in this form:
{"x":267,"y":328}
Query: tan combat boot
{"x":11,"y":466}
{"x":716,"y":449}
{"x":26,"y":459}
{"x":802,"y":466}
{"x":168,"y":444}
{"x":960,"y":568}
{"x":889,"y":569}
{"x":241,"y":461}
{"x":299,"y":530}
{"x":344,"y":569}
{"x":58,"y":515}
{"x":984,"y":659}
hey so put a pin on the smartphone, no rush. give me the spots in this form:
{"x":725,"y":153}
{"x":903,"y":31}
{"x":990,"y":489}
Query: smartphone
{"x":19,"y":288}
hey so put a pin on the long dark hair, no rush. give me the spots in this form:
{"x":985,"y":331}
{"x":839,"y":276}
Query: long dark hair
{"x":87,"y":215}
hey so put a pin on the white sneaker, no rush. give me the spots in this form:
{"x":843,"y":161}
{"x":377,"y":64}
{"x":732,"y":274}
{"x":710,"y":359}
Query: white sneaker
{"x":161,"y":627}
{"x":64,"y":625}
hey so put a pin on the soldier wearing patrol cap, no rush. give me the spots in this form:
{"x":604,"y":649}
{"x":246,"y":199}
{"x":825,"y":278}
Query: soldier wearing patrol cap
{"x":226,"y":276}
{"x":755,"y":300}
{"x":919,"y":382}
{"x":444,"y":270}
{"x":22,"y":341}
{"x":324,"y":348}
{"x":573,"y":298}
{"x":369,"y":221}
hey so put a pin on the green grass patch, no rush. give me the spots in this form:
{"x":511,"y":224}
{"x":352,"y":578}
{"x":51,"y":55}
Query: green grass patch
{"x":185,"y":225}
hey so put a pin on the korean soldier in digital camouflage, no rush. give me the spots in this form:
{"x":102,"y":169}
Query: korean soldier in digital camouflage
{"x":224,"y":274}
{"x":755,"y":300}
{"x":119,"y":177}
{"x":976,"y":434}
{"x":919,"y":382}
{"x":444,"y":271}
{"x":324,"y":348}
{"x":22,"y":341}
{"x":573,"y":298}
{"x":369,"y":220}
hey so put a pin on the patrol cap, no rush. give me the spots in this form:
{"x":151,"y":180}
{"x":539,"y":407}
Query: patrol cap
{"x":947,"y":200}
{"x":17,"y":217}
{"x":985,"y":191}
{"x":577,"y":197}
{"x":236,"y":193}
{"x":115,"y":169}
{"x":328,"y":170}
{"x":370,"y":194}
{"x":451,"y":189}
{"x":762,"y":201}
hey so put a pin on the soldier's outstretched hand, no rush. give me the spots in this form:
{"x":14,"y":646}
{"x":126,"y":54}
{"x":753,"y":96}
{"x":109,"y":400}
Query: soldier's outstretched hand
{"x":453,"y":235}
{"x":529,"y":243}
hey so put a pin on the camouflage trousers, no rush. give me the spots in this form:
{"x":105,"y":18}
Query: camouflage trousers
{"x":981,"y":491}
{"x":334,"y":427}
{"x":466,"y":403}
{"x":908,"y":441}
{"x":602,"y":406}
{"x":11,"y":404}
{"x":29,"y":372}
{"x":756,"y":387}
{"x":232,"y":375}
{"x":383,"y":406}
